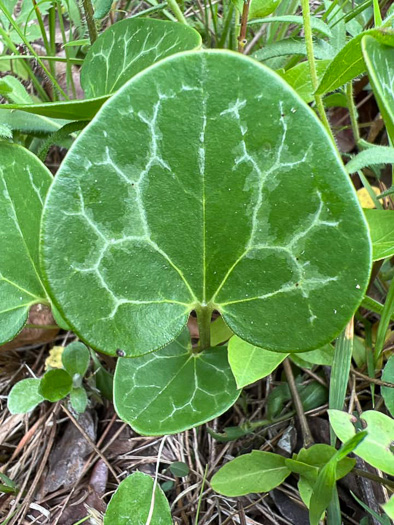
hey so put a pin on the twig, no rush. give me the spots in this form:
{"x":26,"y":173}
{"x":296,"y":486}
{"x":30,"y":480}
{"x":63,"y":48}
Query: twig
{"x":91,"y":443}
{"x":372,"y":379}
{"x":306,"y":432}
{"x":88,"y":10}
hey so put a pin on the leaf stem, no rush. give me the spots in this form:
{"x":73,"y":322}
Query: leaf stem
{"x":177,"y":11}
{"x":387,"y":312}
{"x":352,"y":111}
{"x":244,"y":27}
{"x":305,"y":430}
{"x":306,"y":15}
{"x":204,"y":314}
{"x":88,"y":10}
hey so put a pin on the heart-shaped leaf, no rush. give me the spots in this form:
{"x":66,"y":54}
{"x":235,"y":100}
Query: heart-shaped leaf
{"x":174,"y":389}
{"x":379,"y":61}
{"x":122,"y":51}
{"x":132,"y":501}
{"x":24,"y":182}
{"x":229,"y":197}
{"x":254,"y":472}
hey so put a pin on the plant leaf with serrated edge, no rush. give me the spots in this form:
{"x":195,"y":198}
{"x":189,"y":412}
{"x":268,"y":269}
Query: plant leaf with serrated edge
{"x":316,"y":23}
{"x":24,"y":396}
{"x":168,"y":391}
{"x":24,"y":182}
{"x":132,"y":501}
{"x":349,"y":62}
{"x":136,"y":258}
{"x":381,"y":227}
{"x":250,"y":363}
{"x":379,"y":61}
{"x":120,"y":52}
{"x":254,"y":472}
{"x":371,"y":156}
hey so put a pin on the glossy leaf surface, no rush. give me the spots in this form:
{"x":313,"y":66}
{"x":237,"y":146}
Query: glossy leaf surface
{"x":131,"y":503}
{"x":254,"y":472}
{"x":173,"y":389}
{"x":143,"y":226}
{"x":24,"y":182}
{"x":250,"y":363}
{"x":381,"y":225}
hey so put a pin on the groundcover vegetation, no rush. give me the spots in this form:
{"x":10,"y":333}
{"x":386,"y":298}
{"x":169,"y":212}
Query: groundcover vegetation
{"x":197,"y":242}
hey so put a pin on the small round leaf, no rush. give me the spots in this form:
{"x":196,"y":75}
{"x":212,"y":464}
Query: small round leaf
{"x":55,"y":385}
{"x":24,"y":396}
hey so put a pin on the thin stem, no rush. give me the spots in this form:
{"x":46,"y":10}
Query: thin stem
{"x":305,"y":430}
{"x":352,"y":111}
{"x":244,"y":26}
{"x":306,"y":15}
{"x":88,"y":9}
{"x":42,"y":326}
{"x":384,"y":322}
{"x":373,"y":477}
{"x":177,"y":11}
{"x":204,"y":314}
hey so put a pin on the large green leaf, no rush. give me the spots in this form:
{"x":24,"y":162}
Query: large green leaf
{"x":131,"y":503}
{"x":123,"y":50}
{"x":349,"y":62}
{"x":388,"y":392}
{"x":254,"y":472}
{"x":380,"y":64}
{"x":24,"y":182}
{"x":128,"y":47}
{"x":381,"y":225}
{"x":250,"y":363}
{"x":375,"y":448}
{"x":174,"y":389}
{"x":229,"y":197}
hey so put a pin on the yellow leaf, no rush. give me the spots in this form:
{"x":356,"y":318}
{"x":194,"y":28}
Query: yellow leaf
{"x":364,"y":197}
{"x":54,"y":360}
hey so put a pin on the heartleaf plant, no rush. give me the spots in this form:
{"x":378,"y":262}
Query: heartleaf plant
{"x":117,"y":229}
{"x":235,"y":163}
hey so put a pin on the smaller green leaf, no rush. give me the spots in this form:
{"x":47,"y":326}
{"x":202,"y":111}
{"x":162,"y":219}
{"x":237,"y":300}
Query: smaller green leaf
{"x":381,"y":227}
{"x":370,"y":157}
{"x":379,"y":63}
{"x":79,"y":399}
{"x":321,"y":356}
{"x":102,"y":8}
{"x":179,"y":469}
{"x":14,"y":91}
{"x":320,"y":454}
{"x":24,"y":396}
{"x":389,"y":508}
{"x":316,"y":23}
{"x":55,"y":385}
{"x":220,"y":332}
{"x":250,"y":363}
{"x":305,"y":488}
{"x":132,"y":501}
{"x":322,"y":492}
{"x":76,"y":359}
{"x":299,"y":78}
{"x":173,"y":389}
{"x":309,"y":472}
{"x":77,"y":43}
{"x":375,"y":448}
{"x":254,"y":472}
{"x":388,"y":392}
{"x":293,"y":46}
{"x":349,"y":62}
